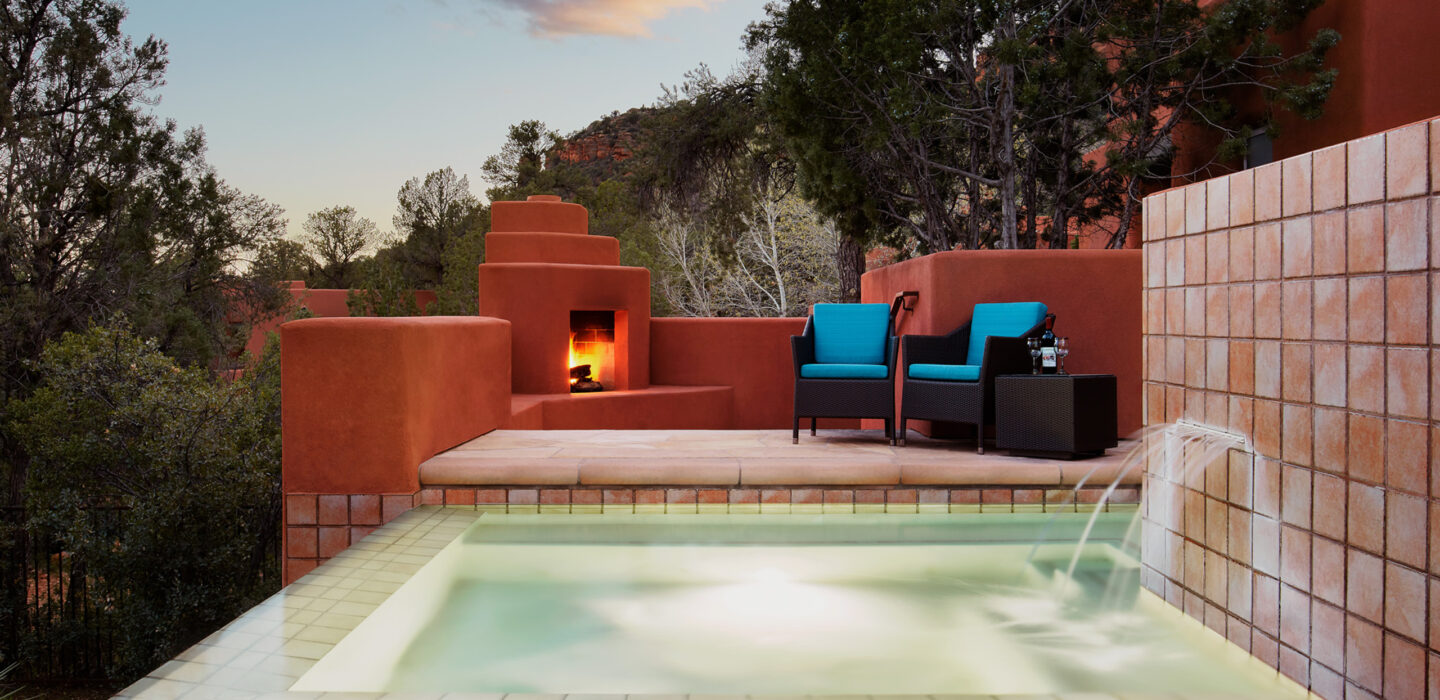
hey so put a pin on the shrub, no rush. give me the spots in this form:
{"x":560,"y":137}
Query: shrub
{"x":193,"y":461}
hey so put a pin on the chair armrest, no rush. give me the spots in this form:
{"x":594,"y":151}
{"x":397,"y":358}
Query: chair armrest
{"x":802,"y":348}
{"x":891,"y":348}
{"x":936,"y":349}
{"x":1004,"y":355}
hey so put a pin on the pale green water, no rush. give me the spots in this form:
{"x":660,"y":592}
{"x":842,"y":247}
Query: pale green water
{"x":834,"y":604}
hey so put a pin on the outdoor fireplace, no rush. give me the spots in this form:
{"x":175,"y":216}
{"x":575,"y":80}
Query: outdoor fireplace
{"x":592,"y":351}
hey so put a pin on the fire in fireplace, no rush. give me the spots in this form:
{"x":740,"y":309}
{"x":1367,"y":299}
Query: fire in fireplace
{"x":592,"y":350}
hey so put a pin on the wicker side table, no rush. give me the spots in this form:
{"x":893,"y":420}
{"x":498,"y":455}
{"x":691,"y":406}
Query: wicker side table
{"x":1055,"y":415}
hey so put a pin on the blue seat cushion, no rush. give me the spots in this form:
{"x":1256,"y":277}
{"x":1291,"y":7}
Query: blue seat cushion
{"x":851,"y":334}
{"x":1008,"y":320}
{"x":947,"y":373}
{"x":844,"y":371}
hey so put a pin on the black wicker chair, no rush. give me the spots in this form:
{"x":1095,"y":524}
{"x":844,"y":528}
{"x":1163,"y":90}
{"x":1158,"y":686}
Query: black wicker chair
{"x":951,"y":389}
{"x":863,"y":388}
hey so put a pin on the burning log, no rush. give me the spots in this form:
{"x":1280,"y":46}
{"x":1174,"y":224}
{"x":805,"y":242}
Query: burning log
{"x":580,"y":381}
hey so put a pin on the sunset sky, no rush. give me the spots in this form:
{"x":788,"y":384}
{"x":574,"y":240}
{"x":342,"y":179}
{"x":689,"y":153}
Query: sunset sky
{"x":316,"y":103}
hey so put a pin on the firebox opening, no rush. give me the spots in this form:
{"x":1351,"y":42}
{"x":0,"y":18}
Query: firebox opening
{"x":592,"y":351}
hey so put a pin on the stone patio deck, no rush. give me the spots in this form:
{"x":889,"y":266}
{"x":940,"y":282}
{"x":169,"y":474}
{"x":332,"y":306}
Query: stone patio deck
{"x":754,"y":459}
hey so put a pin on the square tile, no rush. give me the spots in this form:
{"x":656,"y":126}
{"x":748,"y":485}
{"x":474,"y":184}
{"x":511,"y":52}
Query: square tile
{"x":1329,"y":177}
{"x":1407,"y":309}
{"x":1328,"y":578}
{"x":1366,"y":158}
{"x":1267,"y":369}
{"x":1267,"y":429}
{"x":1217,"y":257}
{"x":1407,"y":235}
{"x":1242,"y":254}
{"x":1295,"y":372}
{"x":1242,"y":197}
{"x":1174,"y":214}
{"x":1296,"y":185}
{"x":1406,"y":529}
{"x":1265,"y":605}
{"x":1194,"y":259}
{"x":1241,"y":366}
{"x":1295,"y":558}
{"x":1404,"y":668}
{"x":1267,"y":192}
{"x":1297,"y":248}
{"x":1406,"y":389}
{"x":1242,"y":310}
{"x":1331,"y":318}
{"x":1405,"y":601}
{"x":1267,"y":487}
{"x":1365,"y":516}
{"x":1330,"y":433}
{"x":1407,"y":468}
{"x":1217,"y":203}
{"x":1406,"y":166}
{"x":1296,"y":438}
{"x":1294,"y":618}
{"x":1329,"y":374}
{"x":1217,"y":368}
{"x":1328,"y":243}
{"x":1195,"y":311}
{"x":1365,"y":239}
{"x":1175,"y":311}
{"x":1364,"y":651}
{"x":1268,"y":317}
{"x":1366,"y":450}
{"x":1194,"y":207}
{"x":1367,"y":310}
{"x":1297,"y":308}
{"x":1365,"y":586}
{"x":300,"y":509}
{"x":1268,"y":261}
{"x":1175,"y":262}
{"x":1367,"y":378}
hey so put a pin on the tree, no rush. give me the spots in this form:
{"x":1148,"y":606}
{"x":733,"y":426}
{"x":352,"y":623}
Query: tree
{"x":106,"y":210}
{"x":193,"y":462}
{"x":335,"y":236}
{"x":282,"y":260}
{"x":522,"y":159}
{"x":444,"y":245}
{"x":967,"y":122}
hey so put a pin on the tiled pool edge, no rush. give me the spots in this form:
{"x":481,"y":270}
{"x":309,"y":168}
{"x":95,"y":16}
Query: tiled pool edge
{"x":264,"y":651}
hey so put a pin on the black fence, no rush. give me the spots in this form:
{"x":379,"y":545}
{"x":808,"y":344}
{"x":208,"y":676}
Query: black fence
{"x":53,"y":621}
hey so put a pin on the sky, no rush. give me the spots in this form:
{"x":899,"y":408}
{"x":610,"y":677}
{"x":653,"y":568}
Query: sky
{"x":317,"y":103}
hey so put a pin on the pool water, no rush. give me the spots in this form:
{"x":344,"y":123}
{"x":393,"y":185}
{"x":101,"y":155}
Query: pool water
{"x":788,"y":604}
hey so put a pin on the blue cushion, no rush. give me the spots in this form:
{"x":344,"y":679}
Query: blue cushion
{"x":853,"y":334}
{"x":948,"y":373}
{"x":844,"y":371}
{"x":1001,"y":319}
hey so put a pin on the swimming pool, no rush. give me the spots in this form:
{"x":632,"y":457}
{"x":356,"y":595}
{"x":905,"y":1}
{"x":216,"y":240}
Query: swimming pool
{"x":790,"y":604}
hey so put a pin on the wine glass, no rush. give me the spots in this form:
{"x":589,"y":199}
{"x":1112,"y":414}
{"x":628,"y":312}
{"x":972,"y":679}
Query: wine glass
{"x":1062,"y":348}
{"x":1034,"y":345}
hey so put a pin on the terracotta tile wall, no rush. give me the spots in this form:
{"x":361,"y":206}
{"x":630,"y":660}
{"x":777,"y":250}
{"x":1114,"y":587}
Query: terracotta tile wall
{"x":1295,"y":304}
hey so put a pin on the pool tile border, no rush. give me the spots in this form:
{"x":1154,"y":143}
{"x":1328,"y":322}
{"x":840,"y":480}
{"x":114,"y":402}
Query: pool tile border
{"x":321,"y":526}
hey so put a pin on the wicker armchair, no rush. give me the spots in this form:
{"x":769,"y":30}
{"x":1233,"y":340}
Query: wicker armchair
{"x":845,"y":365}
{"x":952,"y":377}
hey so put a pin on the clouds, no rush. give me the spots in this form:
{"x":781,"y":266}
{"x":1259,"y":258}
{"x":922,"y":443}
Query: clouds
{"x":553,"y":19}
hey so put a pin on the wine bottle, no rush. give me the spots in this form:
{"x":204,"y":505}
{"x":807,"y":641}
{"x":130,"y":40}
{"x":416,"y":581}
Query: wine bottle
{"x":1047,"y":346}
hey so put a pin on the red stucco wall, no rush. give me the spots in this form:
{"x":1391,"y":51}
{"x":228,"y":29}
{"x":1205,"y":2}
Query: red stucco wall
{"x":750,"y":354}
{"x":322,"y":303}
{"x":1095,"y":295}
{"x":365,"y":400}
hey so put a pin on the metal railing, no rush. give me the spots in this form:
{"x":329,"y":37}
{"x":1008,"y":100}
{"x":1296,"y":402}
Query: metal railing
{"x":53,"y":620}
